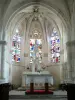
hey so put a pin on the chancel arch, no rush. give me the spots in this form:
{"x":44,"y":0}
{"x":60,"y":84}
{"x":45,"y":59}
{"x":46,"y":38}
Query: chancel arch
{"x":37,"y":23}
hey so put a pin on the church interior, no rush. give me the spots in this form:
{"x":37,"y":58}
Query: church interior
{"x":37,"y":42}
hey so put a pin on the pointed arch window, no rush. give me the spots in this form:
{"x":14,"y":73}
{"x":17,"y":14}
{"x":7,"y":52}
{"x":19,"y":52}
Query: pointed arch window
{"x":55,"y":47}
{"x":35,"y":50}
{"x":16,"y":47}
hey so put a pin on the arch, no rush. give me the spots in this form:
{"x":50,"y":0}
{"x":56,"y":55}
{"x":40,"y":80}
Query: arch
{"x":41,"y":4}
{"x":49,"y":17}
{"x":50,"y":9}
{"x":23,"y":6}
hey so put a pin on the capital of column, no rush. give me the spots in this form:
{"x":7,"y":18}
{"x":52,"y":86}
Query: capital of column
{"x":71,"y":49}
{"x":70,"y":43}
{"x":3,"y":42}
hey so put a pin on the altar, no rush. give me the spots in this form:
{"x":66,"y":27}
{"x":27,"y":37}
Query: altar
{"x":39,"y":79}
{"x":37,"y":76}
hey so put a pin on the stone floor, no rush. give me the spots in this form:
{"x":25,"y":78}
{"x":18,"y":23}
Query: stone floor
{"x":38,"y":99}
{"x":15,"y":92}
{"x":20,"y":95}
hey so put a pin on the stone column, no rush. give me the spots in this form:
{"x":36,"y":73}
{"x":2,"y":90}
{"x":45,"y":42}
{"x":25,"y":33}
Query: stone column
{"x":0,"y":37}
{"x":2,"y":44}
{"x":71,"y":60}
{"x":65,"y":69}
{"x":71,"y":46}
{"x":0,"y":60}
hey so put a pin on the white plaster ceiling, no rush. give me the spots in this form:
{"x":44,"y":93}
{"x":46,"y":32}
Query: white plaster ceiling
{"x":51,"y":15}
{"x":57,"y":12}
{"x":61,"y":6}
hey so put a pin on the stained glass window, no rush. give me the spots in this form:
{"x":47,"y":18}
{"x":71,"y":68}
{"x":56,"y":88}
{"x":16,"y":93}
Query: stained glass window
{"x":55,"y":47}
{"x":16,"y":43}
{"x":35,"y":49}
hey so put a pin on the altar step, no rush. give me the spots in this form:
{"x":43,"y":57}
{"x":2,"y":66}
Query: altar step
{"x":37,"y":96}
{"x":26,"y":88}
{"x":58,"y":95}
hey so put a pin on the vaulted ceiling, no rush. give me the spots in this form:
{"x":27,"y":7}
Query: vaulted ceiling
{"x":62,"y":6}
{"x":10,"y":8}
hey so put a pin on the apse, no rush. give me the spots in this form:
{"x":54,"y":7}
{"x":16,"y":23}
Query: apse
{"x":35,"y":34}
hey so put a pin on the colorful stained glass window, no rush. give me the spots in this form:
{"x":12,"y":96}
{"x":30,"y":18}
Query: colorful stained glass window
{"x":35,"y":49}
{"x":55,"y":47}
{"x":16,"y":43}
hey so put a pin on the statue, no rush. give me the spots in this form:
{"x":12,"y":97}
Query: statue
{"x":36,"y":64}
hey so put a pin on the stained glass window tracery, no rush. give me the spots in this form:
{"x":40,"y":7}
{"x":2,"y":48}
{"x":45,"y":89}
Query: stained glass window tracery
{"x":16,"y":47}
{"x":35,"y":49}
{"x":55,"y":47}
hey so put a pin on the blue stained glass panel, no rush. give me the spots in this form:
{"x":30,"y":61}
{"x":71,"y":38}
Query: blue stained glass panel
{"x":55,"y":47}
{"x":16,"y":42}
{"x":18,"y":59}
{"x":35,"y":45}
{"x":58,"y":40}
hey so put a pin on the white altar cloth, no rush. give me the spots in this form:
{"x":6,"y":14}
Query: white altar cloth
{"x":36,"y":77}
